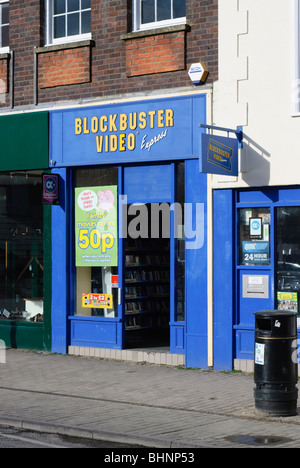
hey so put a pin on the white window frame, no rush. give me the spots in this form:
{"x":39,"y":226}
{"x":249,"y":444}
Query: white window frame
{"x":136,"y":19}
{"x":3,"y":49}
{"x":49,"y":23}
{"x":295,"y":57}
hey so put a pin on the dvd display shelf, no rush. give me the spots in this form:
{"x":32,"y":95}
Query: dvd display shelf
{"x":147,"y":288}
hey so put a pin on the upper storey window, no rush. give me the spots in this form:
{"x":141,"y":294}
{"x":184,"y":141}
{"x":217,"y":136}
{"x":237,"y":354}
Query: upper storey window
{"x":4,"y":25}
{"x":149,"y":14}
{"x":68,"y":20}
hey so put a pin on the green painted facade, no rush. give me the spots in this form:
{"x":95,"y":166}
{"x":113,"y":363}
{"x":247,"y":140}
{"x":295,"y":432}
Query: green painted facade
{"x":24,"y":141}
{"x":25,"y":146}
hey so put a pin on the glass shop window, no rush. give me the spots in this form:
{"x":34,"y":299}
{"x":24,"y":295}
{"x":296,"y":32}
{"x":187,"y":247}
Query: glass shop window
{"x":21,"y":246}
{"x":254,"y":236}
{"x":288,"y":257}
{"x":96,"y":242}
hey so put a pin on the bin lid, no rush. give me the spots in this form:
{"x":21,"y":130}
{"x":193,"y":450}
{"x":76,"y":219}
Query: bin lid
{"x":275,"y":324}
{"x":275,"y":313}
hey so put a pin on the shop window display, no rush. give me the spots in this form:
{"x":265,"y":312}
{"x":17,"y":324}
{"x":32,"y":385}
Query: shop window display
{"x":96,"y":242}
{"x":255,"y":234}
{"x":21,"y":246}
{"x":288,"y":257}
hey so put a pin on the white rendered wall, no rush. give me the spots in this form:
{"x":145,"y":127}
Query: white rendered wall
{"x":255,"y":90}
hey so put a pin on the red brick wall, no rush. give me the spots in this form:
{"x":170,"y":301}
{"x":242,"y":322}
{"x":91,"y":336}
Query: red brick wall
{"x":155,"y":54}
{"x":64,"y":67}
{"x":25,"y":33}
{"x":107,"y":71}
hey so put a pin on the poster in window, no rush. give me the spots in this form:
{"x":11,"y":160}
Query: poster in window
{"x":100,"y":301}
{"x":255,"y":228}
{"x":255,"y":253}
{"x":96,"y":226}
{"x":287,"y":301}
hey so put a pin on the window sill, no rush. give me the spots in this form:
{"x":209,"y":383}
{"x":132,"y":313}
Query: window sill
{"x":20,"y":323}
{"x":156,"y":31}
{"x":66,"y":45}
{"x":4,"y":55}
{"x":93,"y":318}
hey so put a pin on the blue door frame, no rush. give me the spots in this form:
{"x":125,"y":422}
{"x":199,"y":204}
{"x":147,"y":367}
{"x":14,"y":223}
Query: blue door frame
{"x":234,"y":321}
{"x":233,"y":314}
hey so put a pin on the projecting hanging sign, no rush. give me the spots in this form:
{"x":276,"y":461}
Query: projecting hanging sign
{"x":219,"y":155}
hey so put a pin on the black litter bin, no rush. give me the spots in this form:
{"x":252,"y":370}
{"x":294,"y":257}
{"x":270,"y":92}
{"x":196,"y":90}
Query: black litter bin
{"x":276,"y":363}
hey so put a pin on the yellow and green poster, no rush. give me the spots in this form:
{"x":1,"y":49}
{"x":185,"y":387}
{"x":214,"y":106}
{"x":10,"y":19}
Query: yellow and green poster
{"x":96,"y":226}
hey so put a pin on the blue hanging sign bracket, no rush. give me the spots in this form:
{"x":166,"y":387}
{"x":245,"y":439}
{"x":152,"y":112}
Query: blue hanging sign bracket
{"x":238,"y":132}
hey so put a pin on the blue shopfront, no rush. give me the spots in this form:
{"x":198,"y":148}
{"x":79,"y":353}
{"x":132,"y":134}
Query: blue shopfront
{"x":257,"y":249}
{"x":129,"y":240}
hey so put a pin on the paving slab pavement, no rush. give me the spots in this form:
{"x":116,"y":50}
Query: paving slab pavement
{"x":141,"y":404}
